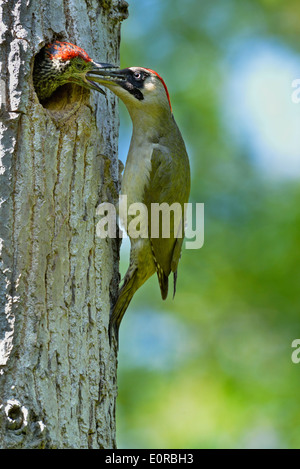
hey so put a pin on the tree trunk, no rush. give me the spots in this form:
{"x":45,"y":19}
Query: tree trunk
{"x":57,"y":278}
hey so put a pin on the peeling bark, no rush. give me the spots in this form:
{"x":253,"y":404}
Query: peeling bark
{"x":57,"y":278}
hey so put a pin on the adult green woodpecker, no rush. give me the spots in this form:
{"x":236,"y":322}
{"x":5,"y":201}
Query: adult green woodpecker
{"x":157,"y":171}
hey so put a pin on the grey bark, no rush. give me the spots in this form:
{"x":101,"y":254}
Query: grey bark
{"x":57,"y":278}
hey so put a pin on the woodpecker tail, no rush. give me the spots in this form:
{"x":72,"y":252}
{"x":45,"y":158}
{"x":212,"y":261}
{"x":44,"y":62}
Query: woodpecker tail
{"x":163,"y":282}
{"x":162,"y":277}
{"x":126,"y":293}
{"x":174,"y":283}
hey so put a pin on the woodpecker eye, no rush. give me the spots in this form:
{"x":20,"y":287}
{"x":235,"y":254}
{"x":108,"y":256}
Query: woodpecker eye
{"x":79,"y":66}
{"x":137,"y":75}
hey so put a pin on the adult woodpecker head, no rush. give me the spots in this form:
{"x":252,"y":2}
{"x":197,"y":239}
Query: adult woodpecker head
{"x":139,"y":88}
{"x":61,"y":62}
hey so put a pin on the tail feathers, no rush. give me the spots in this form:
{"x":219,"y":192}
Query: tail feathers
{"x":126,"y":293}
{"x":163,"y":282}
{"x":174,"y":283}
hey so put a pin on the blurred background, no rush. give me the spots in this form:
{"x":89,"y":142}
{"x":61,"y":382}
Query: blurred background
{"x":213,"y":368}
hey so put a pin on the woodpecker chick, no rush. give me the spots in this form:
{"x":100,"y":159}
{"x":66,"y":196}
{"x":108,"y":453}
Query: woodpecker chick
{"x":61,"y":62}
{"x":157,"y":171}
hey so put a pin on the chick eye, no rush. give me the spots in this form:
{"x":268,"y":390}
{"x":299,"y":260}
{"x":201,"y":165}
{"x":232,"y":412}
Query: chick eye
{"x":137,"y":75}
{"x":79,"y":66}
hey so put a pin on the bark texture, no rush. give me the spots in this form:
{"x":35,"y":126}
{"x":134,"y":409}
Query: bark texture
{"x":57,"y":278}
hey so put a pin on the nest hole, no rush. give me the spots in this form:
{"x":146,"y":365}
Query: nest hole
{"x":65,"y":98}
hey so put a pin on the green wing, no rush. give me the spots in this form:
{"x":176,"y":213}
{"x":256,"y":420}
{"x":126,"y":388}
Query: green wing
{"x":169,"y":182}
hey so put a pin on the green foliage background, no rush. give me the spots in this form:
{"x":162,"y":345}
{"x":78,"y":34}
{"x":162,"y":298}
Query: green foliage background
{"x":212,"y":368}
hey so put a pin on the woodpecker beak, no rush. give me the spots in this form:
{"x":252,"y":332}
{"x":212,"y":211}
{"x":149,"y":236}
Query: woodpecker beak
{"x":107,"y":77}
{"x":97,"y":68}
